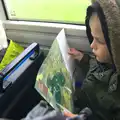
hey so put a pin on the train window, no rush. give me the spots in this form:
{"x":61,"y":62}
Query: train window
{"x":66,"y":11}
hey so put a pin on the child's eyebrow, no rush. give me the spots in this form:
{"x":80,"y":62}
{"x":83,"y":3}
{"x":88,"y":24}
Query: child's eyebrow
{"x":96,"y":37}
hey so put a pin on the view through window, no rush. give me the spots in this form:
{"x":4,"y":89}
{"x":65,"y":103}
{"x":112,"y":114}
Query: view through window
{"x":68,"y":11}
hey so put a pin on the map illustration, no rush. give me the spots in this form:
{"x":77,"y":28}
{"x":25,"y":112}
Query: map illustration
{"x":54,"y":80}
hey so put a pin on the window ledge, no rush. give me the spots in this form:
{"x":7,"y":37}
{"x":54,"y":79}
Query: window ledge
{"x":76,"y":30}
{"x":44,"y":33}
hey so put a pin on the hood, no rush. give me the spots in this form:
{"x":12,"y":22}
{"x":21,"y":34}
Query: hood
{"x":109,"y":15}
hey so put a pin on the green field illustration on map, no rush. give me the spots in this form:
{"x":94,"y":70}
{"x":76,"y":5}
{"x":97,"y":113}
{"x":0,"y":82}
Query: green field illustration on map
{"x":53,"y":80}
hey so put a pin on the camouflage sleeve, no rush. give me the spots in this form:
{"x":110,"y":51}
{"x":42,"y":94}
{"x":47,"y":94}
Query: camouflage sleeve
{"x":83,"y":66}
{"x":84,"y":63}
{"x":116,"y":110}
{"x":117,"y":117}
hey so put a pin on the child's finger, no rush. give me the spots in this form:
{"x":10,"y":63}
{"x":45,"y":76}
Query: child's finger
{"x":70,"y":53}
{"x":73,"y":53}
{"x":73,"y":49}
{"x":68,"y":114}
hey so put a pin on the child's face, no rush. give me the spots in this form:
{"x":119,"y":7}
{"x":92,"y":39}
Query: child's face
{"x":98,"y":45}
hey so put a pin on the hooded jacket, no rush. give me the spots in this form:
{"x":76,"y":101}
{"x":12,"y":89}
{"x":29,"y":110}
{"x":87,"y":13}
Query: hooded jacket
{"x":101,"y":88}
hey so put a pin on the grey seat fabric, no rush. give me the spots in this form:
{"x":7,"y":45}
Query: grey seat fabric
{"x":43,"y":111}
{"x":40,"y":110}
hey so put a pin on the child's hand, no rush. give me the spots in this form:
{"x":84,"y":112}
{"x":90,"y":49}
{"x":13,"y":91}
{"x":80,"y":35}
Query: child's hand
{"x":68,"y":114}
{"x":75,"y":54}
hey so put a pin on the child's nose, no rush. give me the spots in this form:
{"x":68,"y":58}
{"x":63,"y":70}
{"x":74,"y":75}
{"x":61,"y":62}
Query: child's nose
{"x":93,"y":45}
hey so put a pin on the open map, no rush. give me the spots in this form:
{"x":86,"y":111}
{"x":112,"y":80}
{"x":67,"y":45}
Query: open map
{"x":54,"y":80}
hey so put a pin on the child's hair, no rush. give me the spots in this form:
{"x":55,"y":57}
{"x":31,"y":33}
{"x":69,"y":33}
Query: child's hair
{"x":94,"y":14}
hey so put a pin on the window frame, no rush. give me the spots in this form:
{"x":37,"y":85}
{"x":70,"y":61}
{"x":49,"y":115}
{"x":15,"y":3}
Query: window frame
{"x":3,"y":15}
{"x":28,"y":20}
{"x":48,"y":31}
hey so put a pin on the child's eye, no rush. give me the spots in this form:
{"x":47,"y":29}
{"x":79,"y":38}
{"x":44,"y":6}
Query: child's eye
{"x":99,"y":41}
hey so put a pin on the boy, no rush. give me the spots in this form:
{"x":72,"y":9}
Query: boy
{"x":101,"y":90}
